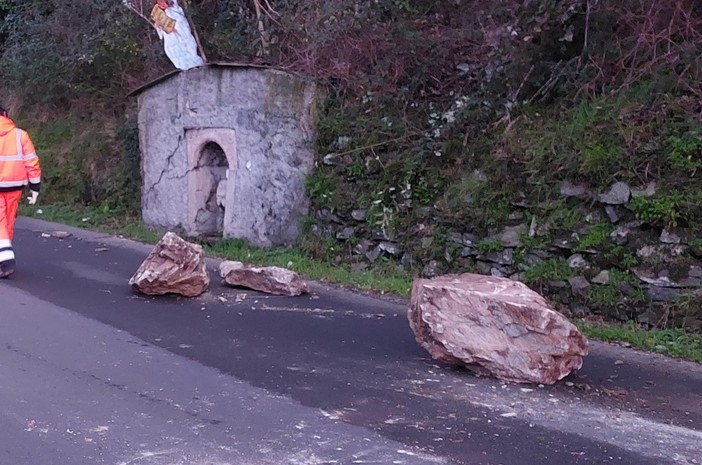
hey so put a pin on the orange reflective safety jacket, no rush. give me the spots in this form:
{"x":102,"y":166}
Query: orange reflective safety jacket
{"x":19,"y":164}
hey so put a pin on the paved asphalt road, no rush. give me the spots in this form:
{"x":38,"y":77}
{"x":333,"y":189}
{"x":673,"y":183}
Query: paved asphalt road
{"x":92,"y":374}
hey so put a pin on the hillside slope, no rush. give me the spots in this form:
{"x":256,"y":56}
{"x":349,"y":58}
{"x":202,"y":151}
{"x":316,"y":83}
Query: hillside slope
{"x":557,"y":142}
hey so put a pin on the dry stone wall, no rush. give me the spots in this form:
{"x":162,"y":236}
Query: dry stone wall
{"x":614,"y":263}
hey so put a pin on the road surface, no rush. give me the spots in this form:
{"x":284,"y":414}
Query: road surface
{"x":91,"y":373}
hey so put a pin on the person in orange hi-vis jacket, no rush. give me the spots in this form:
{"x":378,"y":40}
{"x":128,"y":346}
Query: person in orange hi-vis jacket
{"x":19,"y":167}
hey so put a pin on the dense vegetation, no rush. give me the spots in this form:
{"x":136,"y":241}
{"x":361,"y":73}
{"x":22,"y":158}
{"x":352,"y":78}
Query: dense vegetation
{"x":455,"y":119}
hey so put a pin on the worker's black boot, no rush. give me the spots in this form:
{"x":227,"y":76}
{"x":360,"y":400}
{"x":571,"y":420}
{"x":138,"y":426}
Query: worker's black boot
{"x":7,"y":268}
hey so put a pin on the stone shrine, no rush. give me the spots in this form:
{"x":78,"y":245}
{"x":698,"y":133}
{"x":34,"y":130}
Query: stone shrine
{"x":226,"y":150}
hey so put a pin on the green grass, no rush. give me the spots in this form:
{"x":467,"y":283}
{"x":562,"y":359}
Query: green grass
{"x":550,"y":270}
{"x":671,"y":342}
{"x":597,"y":237}
{"x":489,"y":245}
{"x":383,"y":278}
{"x":608,"y":295}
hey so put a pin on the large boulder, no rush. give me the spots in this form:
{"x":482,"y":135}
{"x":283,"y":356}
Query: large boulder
{"x":494,"y":326}
{"x":174,"y":266}
{"x":269,"y":279}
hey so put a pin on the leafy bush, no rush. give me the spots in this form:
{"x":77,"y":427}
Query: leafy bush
{"x":686,"y":153}
{"x":663,"y":210}
{"x":56,"y":52}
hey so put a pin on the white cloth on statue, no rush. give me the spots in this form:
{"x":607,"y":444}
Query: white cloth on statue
{"x":180,"y":45}
{"x":222,"y":193}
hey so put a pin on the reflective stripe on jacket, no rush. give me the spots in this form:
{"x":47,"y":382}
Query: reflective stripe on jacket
{"x":19,"y":164}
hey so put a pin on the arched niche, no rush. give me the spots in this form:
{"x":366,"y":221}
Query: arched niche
{"x":211,"y":155}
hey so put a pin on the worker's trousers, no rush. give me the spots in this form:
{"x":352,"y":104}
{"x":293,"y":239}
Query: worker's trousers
{"x":9,"y":202}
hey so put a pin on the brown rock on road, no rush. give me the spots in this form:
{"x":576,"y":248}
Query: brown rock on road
{"x":269,"y":279}
{"x":174,"y":266}
{"x":494,"y":326}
